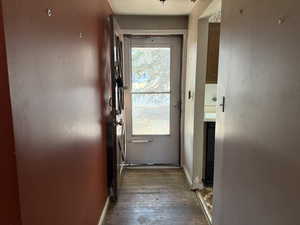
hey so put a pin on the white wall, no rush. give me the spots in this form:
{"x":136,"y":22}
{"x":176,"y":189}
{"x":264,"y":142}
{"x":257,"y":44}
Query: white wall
{"x":190,"y":86}
{"x":210,"y":94}
{"x":193,"y":141}
{"x":132,"y":22}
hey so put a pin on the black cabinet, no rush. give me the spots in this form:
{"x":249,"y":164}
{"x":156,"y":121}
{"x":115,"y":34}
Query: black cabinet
{"x":209,"y":153}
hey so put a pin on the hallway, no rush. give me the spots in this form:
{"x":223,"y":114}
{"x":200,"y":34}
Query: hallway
{"x":155,"y":197}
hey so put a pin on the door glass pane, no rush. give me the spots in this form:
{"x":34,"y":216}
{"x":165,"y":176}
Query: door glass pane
{"x":151,"y":114}
{"x":151,"y":69}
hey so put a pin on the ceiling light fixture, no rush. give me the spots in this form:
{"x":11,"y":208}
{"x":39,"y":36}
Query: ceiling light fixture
{"x":163,"y":1}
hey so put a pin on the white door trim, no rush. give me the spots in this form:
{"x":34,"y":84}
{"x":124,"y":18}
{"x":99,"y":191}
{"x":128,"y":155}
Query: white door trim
{"x":104,"y":211}
{"x":164,"y":148}
{"x":184,"y":34}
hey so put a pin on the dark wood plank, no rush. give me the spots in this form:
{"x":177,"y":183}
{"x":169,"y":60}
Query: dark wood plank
{"x":154,"y":197}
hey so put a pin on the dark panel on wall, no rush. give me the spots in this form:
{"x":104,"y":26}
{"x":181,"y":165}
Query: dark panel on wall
{"x":9,"y":204}
{"x":129,"y":22}
{"x":213,"y":53}
{"x":56,"y":65}
{"x":257,"y":149}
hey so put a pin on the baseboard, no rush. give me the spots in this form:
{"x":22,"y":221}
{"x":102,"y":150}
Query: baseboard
{"x":204,"y":207}
{"x":104,"y":212}
{"x":152,"y":167}
{"x":188,"y":177}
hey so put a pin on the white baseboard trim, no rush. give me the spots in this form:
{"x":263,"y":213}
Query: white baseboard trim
{"x":204,"y":207}
{"x":188,"y":177}
{"x":104,"y":212}
{"x":152,"y":167}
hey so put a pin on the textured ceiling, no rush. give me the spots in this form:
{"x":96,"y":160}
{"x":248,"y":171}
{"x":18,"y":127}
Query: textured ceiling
{"x":152,"y":7}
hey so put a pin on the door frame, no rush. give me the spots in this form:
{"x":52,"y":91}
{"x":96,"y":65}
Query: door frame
{"x":179,"y":32}
{"x":114,"y":168}
{"x":174,"y":43}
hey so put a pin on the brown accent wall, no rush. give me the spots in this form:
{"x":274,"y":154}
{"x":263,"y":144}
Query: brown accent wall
{"x":9,"y":204}
{"x":56,"y":66}
{"x":258,"y":146}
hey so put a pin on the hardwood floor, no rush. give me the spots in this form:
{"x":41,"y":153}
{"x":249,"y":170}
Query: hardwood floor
{"x":155,"y":197}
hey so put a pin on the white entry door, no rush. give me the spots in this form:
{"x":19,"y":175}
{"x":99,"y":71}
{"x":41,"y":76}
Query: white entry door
{"x":152,"y":99}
